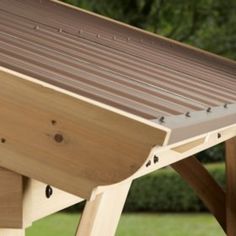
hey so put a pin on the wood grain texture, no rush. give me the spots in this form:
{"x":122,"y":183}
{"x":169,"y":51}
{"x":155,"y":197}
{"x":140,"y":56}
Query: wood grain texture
{"x":231,"y":186}
{"x":193,"y":172}
{"x":95,"y":146}
{"x":101,"y":215}
{"x":11,"y":198}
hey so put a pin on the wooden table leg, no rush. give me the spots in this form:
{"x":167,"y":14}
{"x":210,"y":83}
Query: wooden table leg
{"x":12,"y":232}
{"x":231,"y":186}
{"x":101,"y":215}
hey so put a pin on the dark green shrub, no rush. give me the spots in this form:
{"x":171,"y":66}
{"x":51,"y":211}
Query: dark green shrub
{"x":211,"y":155}
{"x":166,"y":191}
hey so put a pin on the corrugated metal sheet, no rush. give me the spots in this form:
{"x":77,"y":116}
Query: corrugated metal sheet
{"x":112,"y":63}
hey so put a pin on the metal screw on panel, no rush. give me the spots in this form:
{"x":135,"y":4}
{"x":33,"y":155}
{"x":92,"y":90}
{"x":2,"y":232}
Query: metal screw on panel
{"x":58,"y":138}
{"x":48,"y":191}
{"x":188,"y":114}
{"x":208,"y":110}
{"x":36,"y":27}
{"x":225,"y":105}
{"x":162,"y":119}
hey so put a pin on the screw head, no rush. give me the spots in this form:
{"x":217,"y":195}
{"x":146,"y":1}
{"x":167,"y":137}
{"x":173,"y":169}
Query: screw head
{"x":148,"y":164}
{"x":155,"y":159}
{"x":48,"y":191}
{"x":208,"y":110}
{"x":162,"y":119}
{"x":188,"y":114}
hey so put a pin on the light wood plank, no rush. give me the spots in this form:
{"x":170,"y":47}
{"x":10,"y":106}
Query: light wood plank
{"x":37,"y":205}
{"x":101,"y":215}
{"x":11,"y":198}
{"x":189,"y":146}
{"x":231,"y":186}
{"x":193,"y":172}
{"x":86,"y":147}
{"x":12,"y":232}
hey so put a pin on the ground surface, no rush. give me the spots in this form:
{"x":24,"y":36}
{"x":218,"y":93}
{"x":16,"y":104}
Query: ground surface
{"x":135,"y":225}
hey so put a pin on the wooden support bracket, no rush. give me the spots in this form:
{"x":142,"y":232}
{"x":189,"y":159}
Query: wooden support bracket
{"x":101,"y":215}
{"x":23,"y":201}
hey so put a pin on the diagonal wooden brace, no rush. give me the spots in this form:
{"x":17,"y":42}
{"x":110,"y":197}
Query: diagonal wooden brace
{"x":194,"y":173}
{"x":101,"y":215}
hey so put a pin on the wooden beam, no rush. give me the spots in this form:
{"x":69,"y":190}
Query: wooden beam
{"x":231,"y":186}
{"x":64,"y":140}
{"x":101,"y":215}
{"x":11,"y":199}
{"x":193,"y":172}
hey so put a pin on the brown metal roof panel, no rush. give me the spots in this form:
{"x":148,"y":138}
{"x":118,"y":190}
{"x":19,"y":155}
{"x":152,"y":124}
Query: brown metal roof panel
{"x":71,"y":20}
{"x":44,"y":39}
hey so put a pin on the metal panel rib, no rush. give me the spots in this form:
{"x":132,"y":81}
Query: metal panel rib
{"x":126,"y":69}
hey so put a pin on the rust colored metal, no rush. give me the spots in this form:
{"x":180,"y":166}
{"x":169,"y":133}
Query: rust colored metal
{"x":110,"y":62}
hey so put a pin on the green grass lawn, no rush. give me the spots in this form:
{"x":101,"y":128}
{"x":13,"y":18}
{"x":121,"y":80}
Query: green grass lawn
{"x":63,"y":224}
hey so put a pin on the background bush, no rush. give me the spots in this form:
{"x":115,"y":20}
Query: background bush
{"x":166,"y":191}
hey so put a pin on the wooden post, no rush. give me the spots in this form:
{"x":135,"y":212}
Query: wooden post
{"x":231,"y":186}
{"x":101,"y":215}
{"x":11,"y":208}
{"x":12,"y":232}
{"x":11,"y":198}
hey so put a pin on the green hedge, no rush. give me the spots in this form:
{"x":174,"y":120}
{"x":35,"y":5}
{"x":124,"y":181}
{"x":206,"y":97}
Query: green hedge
{"x":165,"y":191}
